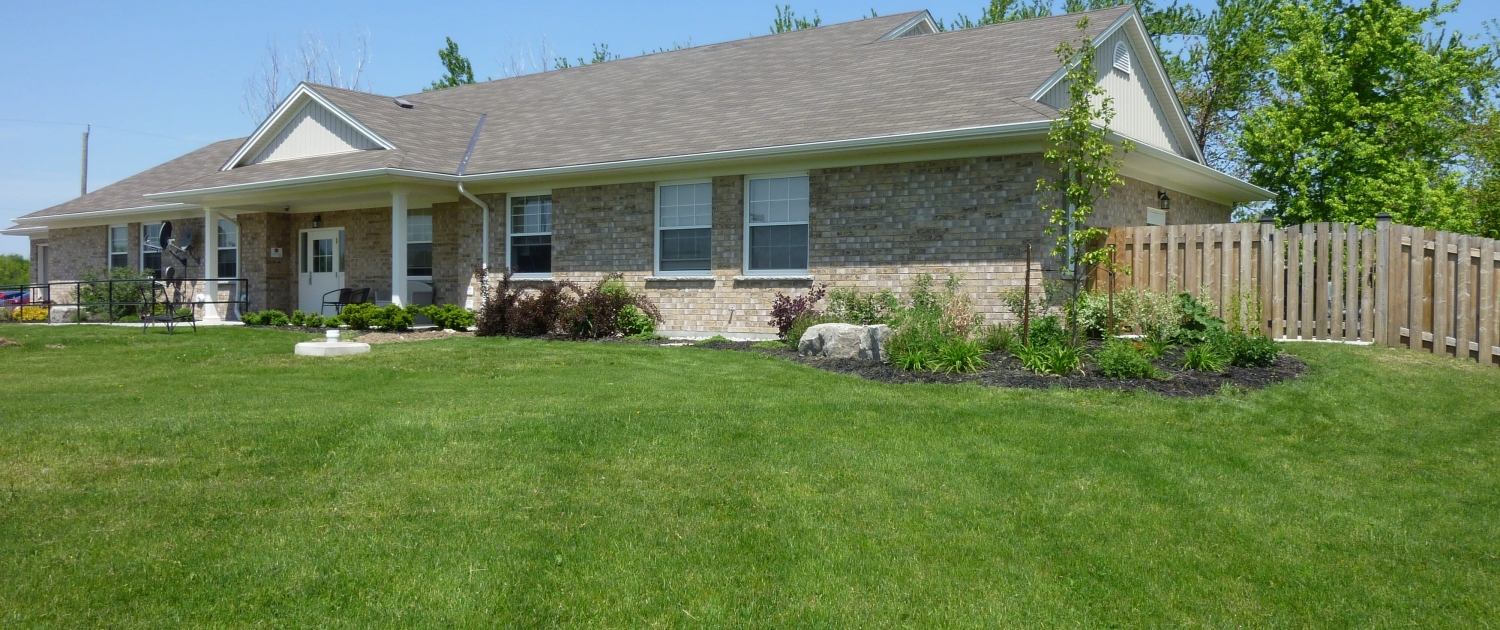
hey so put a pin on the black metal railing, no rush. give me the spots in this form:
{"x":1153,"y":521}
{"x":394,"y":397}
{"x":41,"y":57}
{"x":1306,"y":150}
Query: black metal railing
{"x":115,"y":301}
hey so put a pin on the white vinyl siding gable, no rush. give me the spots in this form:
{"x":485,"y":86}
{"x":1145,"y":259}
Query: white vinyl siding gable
{"x":314,"y":130}
{"x":1140,"y":112}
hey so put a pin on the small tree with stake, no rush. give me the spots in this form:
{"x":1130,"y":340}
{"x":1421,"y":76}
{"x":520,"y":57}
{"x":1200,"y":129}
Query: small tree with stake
{"x":1087,"y":166}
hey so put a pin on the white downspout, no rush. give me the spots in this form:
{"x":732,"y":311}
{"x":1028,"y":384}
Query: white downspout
{"x":484,"y":210}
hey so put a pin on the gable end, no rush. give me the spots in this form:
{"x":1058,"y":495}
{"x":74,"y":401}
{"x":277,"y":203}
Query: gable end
{"x":305,"y":125}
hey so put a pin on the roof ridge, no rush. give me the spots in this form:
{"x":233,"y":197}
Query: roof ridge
{"x":698,"y":49}
{"x":320,"y":86}
{"x":1032,"y":21}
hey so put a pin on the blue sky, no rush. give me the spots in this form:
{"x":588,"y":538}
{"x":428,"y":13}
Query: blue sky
{"x":160,"y":79}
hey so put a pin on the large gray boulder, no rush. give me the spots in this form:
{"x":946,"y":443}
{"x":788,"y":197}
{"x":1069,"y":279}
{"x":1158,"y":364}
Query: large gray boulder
{"x":844,"y":341}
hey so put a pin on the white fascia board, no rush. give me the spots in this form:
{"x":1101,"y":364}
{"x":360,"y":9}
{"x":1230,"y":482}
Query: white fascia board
{"x":1133,"y":19}
{"x":293,"y":102}
{"x":924,"y":16}
{"x":114,"y":212}
{"x":19,"y":230}
{"x":301,"y":181}
{"x":987,"y":132}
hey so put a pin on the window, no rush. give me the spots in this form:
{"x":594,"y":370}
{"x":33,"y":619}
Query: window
{"x":776,"y":209}
{"x":684,"y":220}
{"x":322,"y":255}
{"x":419,"y":243}
{"x":229,"y":249}
{"x":119,"y":247}
{"x":530,"y":228}
{"x":1122,"y":57}
{"x":150,"y":248}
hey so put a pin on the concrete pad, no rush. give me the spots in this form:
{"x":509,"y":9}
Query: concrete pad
{"x":334,"y":349}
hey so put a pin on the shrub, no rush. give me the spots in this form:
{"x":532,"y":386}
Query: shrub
{"x":1123,"y":359}
{"x":332,"y":322}
{"x":916,"y":341}
{"x":1254,"y":351}
{"x":313,"y":320}
{"x":185,"y":312}
{"x":392,"y":318}
{"x":1093,"y":314}
{"x":540,"y":312}
{"x":128,"y":296}
{"x":1147,"y":312}
{"x":274,"y":317}
{"x":449,"y":316}
{"x":996,"y":337}
{"x":1204,"y":358}
{"x":785,"y":309}
{"x":497,"y":307}
{"x":1047,"y":331}
{"x":1053,"y":295}
{"x":359,"y":316}
{"x":129,"y":319}
{"x":251,"y":318}
{"x":597,"y":312}
{"x":850,"y":306}
{"x":716,"y":339}
{"x":297,"y":318}
{"x":632,"y":322}
{"x":29,"y":313}
{"x":958,"y":355}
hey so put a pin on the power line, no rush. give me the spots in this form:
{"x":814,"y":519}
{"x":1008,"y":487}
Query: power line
{"x":69,"y":124}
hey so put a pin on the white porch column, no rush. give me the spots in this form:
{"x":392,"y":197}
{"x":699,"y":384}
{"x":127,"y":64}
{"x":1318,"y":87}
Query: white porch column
{"x":210,"y":266}
{"x":398,"y":248}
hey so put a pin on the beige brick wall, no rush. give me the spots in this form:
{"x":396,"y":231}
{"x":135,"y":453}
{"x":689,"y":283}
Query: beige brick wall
{"x":71,"y":251}
{"x":1127,"y":204}
{"x":872,"y":227}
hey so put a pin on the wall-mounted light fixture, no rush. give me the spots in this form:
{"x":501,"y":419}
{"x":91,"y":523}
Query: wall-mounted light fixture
{"x":317,"y":220}
{"x":1163,"y":201}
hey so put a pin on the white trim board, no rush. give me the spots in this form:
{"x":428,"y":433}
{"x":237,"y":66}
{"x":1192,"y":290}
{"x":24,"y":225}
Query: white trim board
{"x":289,"y":108}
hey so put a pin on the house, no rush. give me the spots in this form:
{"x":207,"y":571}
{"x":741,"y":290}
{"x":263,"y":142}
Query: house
{"x":858,"y":154}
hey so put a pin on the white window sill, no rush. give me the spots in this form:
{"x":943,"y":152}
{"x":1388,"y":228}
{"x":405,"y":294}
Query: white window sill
{"x":680,"y":278}
{"x":530,"y":278}
{"x":779,"y":277}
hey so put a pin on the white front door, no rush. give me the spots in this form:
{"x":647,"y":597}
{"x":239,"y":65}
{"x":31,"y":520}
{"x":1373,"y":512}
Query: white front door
{"x":320,"y":267}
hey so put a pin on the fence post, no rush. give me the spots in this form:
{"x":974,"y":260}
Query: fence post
{"x":1382,"y":279}
{"x":1267,"y":228}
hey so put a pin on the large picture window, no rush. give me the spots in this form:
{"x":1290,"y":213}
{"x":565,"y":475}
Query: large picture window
{"x":419,"y":243}
{"x":229,"y":249}
{"x":777,"y":210}
{"x":530,"y":229}
{"x":151,"y":248}
{"x":684,"y":232}
{"x":119,"y":247}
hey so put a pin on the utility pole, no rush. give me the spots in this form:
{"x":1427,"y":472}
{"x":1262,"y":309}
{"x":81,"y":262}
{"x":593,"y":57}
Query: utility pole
{"x":83,"y":181}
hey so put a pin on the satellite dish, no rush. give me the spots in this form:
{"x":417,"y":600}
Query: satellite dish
{"x":187,"y":239}
{"x":165,"y":236}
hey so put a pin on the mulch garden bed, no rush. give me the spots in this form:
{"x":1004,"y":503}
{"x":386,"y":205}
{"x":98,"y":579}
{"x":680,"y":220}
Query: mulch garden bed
{"x":1005,"y":370}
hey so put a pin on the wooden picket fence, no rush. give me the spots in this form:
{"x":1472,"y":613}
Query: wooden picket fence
{"x":1395,"y":285}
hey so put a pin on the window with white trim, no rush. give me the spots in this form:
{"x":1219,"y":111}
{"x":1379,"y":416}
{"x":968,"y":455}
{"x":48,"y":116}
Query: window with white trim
{"x":530,"y":233}
{"x":119,"y":246}
{"x":419,"y":244}
{"x":1122,"y":57}
{"x":150,"y":247}
{"x":776,"y":210}
{"x":684,"y":228}
{"x":229,"y":249}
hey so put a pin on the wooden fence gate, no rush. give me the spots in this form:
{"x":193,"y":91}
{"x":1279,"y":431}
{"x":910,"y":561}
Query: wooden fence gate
{"x":1395,"y":285}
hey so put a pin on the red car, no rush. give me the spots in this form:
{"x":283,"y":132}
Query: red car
{"x":15,"y":298}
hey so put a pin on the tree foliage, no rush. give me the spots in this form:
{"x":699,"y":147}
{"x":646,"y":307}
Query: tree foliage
{"x":14,"y":269}
{"x":601,"y":55}
{"x":787,"y":20}
{"x":1080,"y":149}
{"x":1366,"y":113}
{"x":459,"y":70}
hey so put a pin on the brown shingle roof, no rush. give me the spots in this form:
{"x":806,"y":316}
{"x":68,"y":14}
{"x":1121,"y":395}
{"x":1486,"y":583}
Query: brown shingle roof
{"x":128,"y":192}
{"x":831,"y":83}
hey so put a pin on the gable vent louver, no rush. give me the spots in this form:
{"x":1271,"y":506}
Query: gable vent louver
{"x":1122,"y":57}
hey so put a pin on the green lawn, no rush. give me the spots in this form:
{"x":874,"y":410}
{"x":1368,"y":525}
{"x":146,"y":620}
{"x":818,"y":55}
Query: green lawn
{"x":216,"y":480}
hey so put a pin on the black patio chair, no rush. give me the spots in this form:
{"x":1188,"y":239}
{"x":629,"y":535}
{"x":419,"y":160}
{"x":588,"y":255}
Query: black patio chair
{"x":344,"y":297}
{"x":167,"y":296}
